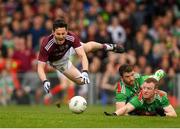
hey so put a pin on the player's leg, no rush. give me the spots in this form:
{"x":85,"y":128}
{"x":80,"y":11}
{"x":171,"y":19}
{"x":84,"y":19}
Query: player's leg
{"x":68,"y":87}
{"x":64,"y":85}
{"x":73,"y":74}
{"x":93,"y":46}
{"x":61,"y":86}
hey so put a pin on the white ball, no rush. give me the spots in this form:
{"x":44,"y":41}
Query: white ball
{"x":77,"y":104}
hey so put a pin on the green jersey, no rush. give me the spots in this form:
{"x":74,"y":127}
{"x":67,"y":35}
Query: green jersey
{"x":124,"y":92}
{"x":160,"y":100}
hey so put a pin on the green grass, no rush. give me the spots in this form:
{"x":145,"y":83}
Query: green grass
{"x":93,"y":117}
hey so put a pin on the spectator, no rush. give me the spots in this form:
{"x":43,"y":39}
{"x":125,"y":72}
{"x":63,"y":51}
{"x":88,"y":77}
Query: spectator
{"x":151,"y":29}
{"x":118,"y":33}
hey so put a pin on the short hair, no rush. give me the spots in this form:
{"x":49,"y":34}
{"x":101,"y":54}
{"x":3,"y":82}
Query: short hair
{"x":153,"y":80}
{"x":125,"y":68}
{"x":59,"y":23}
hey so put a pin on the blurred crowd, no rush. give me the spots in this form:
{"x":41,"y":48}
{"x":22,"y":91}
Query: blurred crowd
{"x":148,"y":29}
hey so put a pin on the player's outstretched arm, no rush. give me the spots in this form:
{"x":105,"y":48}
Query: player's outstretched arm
{"x":85,"y":64}
{"x":40,"y":70}
{"x":169,"y":111}
{"x":120,"y":105}
{"x":42,"y":76}
{"x":122,"y":111}
{"x":125,"y":110}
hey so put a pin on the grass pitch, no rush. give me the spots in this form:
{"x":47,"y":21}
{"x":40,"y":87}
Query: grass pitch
{"x":93,"y":117}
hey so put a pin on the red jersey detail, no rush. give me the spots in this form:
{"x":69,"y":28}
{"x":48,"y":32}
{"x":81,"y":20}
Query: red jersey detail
{"x":118,"y":87}
{"x":140,"y":95}
{"x":161,"y":93}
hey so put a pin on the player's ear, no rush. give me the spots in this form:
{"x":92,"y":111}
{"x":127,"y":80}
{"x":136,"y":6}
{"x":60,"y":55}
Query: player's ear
{"x":66,"y":31}
{"x":156,"y":91}
{"x":121,"y":77}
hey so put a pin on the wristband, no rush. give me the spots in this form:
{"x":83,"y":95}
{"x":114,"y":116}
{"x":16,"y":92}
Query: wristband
{"x":85,"y":71}
{"x":45,"y":81}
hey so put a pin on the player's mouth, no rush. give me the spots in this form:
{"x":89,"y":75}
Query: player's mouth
{"x":60,"y":40}
{"x":131,"y":82}
{"x":146,"y":93}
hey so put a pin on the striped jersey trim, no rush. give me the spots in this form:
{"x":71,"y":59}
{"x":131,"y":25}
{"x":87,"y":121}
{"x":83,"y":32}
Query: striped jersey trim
{"x":121,"y":88}
{"x":118,"y":87}
{"x":140,"y":96}
{"x":70,"y":38}
{"x":49,"y":44}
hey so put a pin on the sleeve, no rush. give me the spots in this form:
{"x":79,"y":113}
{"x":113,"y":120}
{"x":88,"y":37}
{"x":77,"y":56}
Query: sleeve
{"x":135,"y":102}
{"x":144,"y":77}
{"x":76,"y":42}
{"x":165,"y":101}
{"x":120,"y":97}
{"x":141,"y":78}
{"x":120,"y":93}
{"x":43,"y":54}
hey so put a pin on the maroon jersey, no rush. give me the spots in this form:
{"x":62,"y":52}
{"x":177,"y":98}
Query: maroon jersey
{"x":51,"y":51}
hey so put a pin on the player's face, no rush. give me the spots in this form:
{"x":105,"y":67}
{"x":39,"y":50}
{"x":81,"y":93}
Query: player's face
{"x":148,"y":90}
{"x":60,"y":35}
{"x":128,"y":78}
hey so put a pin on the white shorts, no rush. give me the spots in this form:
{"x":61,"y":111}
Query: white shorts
{"x":64,"y":63}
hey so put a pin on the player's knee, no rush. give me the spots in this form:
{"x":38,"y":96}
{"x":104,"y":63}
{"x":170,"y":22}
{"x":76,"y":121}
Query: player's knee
{"x":86,"y":48}
{"x":79,"y":82}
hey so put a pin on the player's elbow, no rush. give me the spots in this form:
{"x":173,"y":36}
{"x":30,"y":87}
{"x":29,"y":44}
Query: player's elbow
{"x":174,"y":114}
{"x":79,"y":81}
{"x":171,"y":114}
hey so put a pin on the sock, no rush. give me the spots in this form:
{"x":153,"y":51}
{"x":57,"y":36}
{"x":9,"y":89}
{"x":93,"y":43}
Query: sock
{"x":70,"y":92}
{"x":56,"y":89}
{"x":48,"y":99}
{"x":108,"y":47}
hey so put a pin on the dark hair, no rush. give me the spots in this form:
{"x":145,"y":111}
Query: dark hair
{"x":125,"y":68}
{"x":59,"y":23}
{"x":153,"y":80}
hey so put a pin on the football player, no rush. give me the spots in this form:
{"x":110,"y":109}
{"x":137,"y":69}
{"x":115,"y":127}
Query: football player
{"x":149,"y":101}
{"x":59,"y":46}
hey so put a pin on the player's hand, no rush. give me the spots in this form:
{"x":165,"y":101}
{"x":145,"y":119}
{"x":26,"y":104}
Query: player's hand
{"x":110,"y":114}
{"x":46,"y":85}
{"x":85,"y":77}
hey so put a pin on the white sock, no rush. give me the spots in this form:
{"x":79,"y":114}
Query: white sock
{"x":109,"y":47}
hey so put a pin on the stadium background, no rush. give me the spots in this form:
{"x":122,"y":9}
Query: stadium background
{"x":148,"y":29}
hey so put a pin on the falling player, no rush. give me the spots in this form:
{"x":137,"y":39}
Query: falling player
{"x":57,"y":48}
